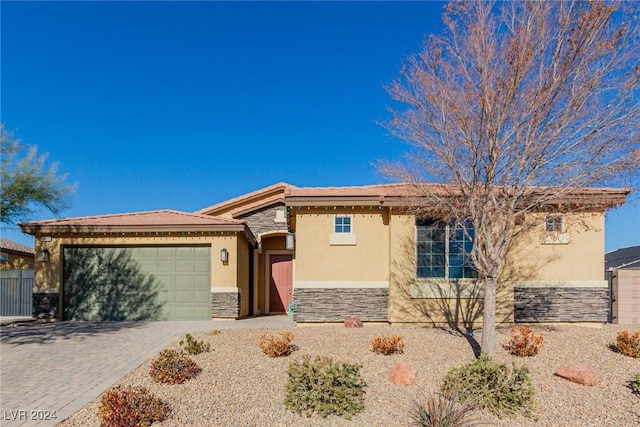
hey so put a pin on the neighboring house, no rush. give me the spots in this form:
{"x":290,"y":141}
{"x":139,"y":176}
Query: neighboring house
{"x":11,"y":251}
{"x":622,"y":268}
{"x":321,"y":254}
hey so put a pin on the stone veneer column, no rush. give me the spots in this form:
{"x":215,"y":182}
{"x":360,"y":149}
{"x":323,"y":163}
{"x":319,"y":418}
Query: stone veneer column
{"x":46,"y":305}
{"x":225,"y":304}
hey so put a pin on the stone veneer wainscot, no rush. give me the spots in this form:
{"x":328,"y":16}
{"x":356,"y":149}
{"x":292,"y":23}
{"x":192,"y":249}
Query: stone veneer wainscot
{"x":336,"y":304}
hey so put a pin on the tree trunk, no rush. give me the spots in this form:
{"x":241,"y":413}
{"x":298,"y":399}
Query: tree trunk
{"x":489,"y":316}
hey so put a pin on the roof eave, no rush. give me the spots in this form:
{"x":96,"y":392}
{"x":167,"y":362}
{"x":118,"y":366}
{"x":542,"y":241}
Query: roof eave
{"x":34,"y":229}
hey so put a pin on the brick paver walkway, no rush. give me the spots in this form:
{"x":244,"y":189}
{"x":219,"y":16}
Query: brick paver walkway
{"x":58,"y":368}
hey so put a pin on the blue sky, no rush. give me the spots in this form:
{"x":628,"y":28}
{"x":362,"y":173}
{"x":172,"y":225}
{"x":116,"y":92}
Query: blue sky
{"x":154,"y":105}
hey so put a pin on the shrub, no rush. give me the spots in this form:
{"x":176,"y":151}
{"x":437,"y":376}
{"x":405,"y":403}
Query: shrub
{"x":173,"y":367}
{"x":193,"y":346}
{"x":628,"y":343}
{"x":133,"y":406}
{"x":324,"y":387}
{"x":276,"y":345}
{"x":502,"y":390}
{"x":634,"y":384}
{"x":442,"y":411}
{"x":524,"y":342}
{"x":387,"y":345}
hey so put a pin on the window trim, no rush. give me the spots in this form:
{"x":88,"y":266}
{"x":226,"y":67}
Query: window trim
{"x":342,"y":238}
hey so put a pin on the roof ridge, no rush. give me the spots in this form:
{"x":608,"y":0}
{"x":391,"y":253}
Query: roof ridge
{"x":249,"y":195}
{"x":99,"y":216}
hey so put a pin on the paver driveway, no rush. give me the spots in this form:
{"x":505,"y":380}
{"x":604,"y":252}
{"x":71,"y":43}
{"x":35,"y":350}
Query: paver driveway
{"x":58,"y":368}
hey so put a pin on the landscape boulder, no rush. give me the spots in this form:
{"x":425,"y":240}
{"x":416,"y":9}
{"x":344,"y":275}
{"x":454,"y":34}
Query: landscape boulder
{"x":353,"y":322}
{"x":402,"y":374}
{"x":582,"y":374}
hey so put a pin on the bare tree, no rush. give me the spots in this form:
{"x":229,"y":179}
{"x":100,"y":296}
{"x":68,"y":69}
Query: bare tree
{"x":515,"y":106}
{"x":26,"y":182}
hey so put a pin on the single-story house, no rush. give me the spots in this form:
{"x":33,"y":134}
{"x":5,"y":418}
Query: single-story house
{"x":12,"y":253}
{"x":320,"y":254}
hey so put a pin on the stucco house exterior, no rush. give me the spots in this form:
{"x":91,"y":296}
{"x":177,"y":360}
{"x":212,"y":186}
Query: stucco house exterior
{"x":320,"y":254}
{"x":12,"y":252}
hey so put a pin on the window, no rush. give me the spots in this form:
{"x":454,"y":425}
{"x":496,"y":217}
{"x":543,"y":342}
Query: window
{"x":343,"y":234}
{"x":443,"y":250}
{"x":554,"y":224}
{"x":342,"y":224}
{"x":3,"y":257}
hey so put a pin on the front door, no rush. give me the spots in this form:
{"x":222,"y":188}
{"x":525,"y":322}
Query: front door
{"x":280,"y":282}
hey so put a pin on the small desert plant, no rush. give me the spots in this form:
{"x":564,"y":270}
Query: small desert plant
{"x":193,"y":346}
{"x":325,"y":387}
{"x":634,"y":384}
{"x":628,"y":343}
{"x":129,"y":407}
{"x":524,"y":342}
{"x":173,"y":367}
{"x":439,"y":410}
{"x":276,"y":345}
{"x":491,"y":385}
{"x":387,"y":345}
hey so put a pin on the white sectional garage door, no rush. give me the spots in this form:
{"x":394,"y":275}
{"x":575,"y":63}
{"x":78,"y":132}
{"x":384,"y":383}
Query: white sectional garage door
{"x":134,"y":283}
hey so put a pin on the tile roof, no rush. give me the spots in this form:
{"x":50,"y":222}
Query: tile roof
{"x":166,"y":217}
{"x":10,"y":245}
{"x":248,"y":201}
{"x":417,"y":189}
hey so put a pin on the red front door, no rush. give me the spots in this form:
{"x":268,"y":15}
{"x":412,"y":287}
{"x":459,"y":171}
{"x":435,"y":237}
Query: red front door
{"x":280,"y":283}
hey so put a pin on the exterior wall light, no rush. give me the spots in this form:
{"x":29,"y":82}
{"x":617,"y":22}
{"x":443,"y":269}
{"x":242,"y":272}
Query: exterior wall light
{"x":290,"y":241}
{"x":43,"y":255}
{"x":224,"y":255}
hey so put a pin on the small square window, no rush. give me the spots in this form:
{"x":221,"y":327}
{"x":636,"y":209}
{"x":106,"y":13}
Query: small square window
{"x":554,"y":224}
{"x":342,"y":224}
{"x":3,"y":257}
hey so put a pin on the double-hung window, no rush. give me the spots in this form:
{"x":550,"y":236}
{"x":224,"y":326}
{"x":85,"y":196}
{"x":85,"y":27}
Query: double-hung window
{"x":443,"y":250}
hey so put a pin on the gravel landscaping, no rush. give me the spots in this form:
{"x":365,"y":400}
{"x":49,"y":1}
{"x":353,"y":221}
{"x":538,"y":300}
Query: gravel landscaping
{"x":241,"y":386}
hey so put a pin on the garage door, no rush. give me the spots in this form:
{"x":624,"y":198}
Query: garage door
{"x":136,"y":283}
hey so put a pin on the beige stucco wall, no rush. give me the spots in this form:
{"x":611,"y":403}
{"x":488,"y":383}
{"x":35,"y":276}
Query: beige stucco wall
{"x":242,"y":274}
{"x":319,"y":261}
{"x":535,"y":260}
{"x":576,"y":255}
{"x":48,"y":276}
{"x":433,"y":301}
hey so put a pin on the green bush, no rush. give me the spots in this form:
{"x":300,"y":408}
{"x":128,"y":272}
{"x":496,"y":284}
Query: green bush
{"x":325,"y":387}
{"x":502,"y":390}
{"x":131,"y":407}
{"x":173,"y":367}
{"x":193,"y":346}
{"x":634,"y":384}
{"x":442,"y":411}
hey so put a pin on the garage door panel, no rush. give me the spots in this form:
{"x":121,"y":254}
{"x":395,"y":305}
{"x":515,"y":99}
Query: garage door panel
{"x":184,"y":297}
{"x":166,"y":265}
{"x":184,"y":266}
{"x":175,"y":281}
{"x":202,"y":266}
{"x":201,"y":281}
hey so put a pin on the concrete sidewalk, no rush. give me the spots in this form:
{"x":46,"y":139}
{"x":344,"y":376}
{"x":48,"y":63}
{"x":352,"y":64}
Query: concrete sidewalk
{"x":55,"y":369}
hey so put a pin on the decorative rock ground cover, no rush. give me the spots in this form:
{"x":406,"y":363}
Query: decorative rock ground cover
{"x":241,"y":386}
